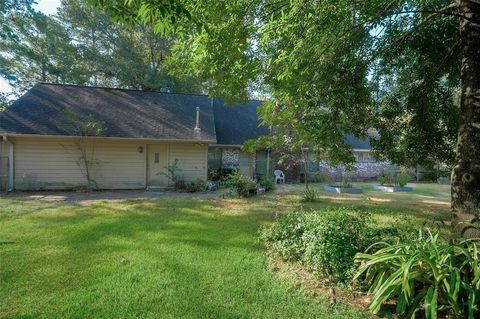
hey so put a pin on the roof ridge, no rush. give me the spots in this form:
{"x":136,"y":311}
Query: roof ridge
{"x":118,"y":89}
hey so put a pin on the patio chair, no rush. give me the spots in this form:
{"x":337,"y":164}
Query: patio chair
{"x":279,"y":176}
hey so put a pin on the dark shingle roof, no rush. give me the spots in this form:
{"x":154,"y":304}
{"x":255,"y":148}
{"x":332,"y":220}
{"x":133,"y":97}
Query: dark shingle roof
{"x":123,"y":113}
{"x":237,"y":123}
{"x":360,"y":144}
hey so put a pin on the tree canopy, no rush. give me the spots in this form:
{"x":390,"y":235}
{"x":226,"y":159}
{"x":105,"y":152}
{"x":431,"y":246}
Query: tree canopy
{"x":80,"y":45}
{"x":403,"y":67}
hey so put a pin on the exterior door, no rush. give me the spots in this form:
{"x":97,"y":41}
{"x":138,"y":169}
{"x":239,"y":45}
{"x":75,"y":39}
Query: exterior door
{"x":157,"y":160}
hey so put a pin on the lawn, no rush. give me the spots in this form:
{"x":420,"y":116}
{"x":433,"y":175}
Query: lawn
{"x":183,"y":258}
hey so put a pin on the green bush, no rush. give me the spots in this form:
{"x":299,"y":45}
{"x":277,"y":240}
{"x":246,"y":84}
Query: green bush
{"x":268,"y":183}
{"x":430,"y":177}
{"x":325,"y":241}
{"x":309,"y":195}
{"x":331,"y":242}
{"x":402,"y":179}
{"x":381,"y":180}
{"x":426,"y":275}
{"x":179,"y":184}
{"x":392,"y":177}
{"x":285,"y":237}
{"x":243,"y":186}
{"x":320,"y":177}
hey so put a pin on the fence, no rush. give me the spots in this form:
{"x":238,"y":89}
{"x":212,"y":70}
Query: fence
{"x":3,"y":173}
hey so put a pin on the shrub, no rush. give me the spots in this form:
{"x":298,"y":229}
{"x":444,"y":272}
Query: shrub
{"x":268,"y":183}
{"x":426,"y":275}
{"x":332,"y":241}
{"x":402,"y":179}
{"x":309,"y":195}
{"x":243,"y":186}
{"x":381,"y":180}
{"x":171,"y":172}
{"x":286,"y":236}
{"x":320,"y":177}
{"x":325,"y":242}
{"x":393,"y":177}
{"x":428,"y":176}
{"x":179,"y":184}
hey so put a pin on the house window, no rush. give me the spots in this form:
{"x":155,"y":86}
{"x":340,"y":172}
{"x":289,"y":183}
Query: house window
{"x":157,"y":158}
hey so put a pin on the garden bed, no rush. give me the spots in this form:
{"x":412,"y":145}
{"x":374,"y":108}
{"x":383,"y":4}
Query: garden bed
{"x":392,"y":189}
{"x":342,"y":190}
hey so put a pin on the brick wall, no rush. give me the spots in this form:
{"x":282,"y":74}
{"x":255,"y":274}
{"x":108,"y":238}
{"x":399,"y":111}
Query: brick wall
{"x":363,"y":170}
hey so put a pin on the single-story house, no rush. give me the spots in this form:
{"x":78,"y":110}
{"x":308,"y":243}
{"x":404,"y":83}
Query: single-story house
{"x":141,"y":133}
{"x":46,"y":141}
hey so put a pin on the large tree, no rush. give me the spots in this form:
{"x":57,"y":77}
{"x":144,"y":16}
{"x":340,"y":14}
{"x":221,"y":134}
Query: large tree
{"x":409,"y":68}
{"x":80,"y":45}
{"x":39,"y":50}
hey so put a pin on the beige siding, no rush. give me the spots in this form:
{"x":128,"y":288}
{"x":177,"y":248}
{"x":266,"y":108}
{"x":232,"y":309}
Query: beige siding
{"x":192,"y":160}
{"x":54,"y":164}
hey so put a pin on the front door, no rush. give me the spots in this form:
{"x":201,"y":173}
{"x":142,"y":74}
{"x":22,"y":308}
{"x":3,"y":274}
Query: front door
{"x":157,"y":160}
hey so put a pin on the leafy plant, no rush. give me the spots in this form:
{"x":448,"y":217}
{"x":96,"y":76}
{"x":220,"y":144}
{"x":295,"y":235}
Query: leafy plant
{"x":393,"y":176}
{"x":426,"y":275}
{"x":402,"y":179}
{"x":324,"y":241}
{"x":381,"y":180}
{"x":268,"y":183}
{"x":320,"y":177}
{"x":309,"y":195}
{"x":171,"y":172}
{"x":243,"y":186}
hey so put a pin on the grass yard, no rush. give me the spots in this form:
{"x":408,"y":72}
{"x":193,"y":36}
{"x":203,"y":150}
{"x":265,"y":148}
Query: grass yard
{"x":182,"y":258}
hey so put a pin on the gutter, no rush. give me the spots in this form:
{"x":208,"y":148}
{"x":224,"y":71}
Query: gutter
{"x":121,"y":139}
{"x":10,"y":163}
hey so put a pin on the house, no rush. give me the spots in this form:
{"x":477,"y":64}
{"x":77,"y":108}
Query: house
{"x":234,"y":125}
{"x":42,"y":145}
{"x":46,"y":143}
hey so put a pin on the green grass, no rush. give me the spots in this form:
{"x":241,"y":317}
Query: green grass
{"x":146,"y":259}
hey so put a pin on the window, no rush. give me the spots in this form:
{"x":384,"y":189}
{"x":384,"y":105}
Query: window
{"x":157,"y":158}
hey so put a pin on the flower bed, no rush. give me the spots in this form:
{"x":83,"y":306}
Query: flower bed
{"x":342,"y":190}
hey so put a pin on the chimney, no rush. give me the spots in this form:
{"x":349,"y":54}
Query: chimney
{"x":197,"y":123}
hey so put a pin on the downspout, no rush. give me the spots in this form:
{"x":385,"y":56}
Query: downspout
{"x":10,"y":163}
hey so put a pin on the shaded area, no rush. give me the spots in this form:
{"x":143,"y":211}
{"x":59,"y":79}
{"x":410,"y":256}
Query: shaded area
{"x":145,"y":258}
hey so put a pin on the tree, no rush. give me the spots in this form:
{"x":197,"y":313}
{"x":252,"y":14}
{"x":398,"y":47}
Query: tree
{"x":80,"y":45}
{"x":343,"y":66}
{"x":82,"y":128}
{"x":41,"y":50}
{"x":9,"y":7}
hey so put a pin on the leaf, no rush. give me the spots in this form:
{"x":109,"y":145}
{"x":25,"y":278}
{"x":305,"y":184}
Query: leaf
{"x":431,"y":303}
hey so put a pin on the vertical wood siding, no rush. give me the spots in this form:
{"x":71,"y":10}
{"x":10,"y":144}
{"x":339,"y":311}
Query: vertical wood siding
{"x":53,"y":164}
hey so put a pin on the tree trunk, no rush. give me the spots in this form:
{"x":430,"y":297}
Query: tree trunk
{"x":466,"y":173}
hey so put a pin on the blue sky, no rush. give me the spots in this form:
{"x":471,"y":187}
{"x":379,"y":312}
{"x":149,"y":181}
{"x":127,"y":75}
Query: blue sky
{"x":45,"y":6}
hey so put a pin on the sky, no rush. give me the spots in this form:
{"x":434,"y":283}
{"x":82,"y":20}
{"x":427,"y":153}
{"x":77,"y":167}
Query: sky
{"x":45,"y":6}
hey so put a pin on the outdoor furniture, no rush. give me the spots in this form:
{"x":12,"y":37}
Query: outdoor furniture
{"x":279,"y":176}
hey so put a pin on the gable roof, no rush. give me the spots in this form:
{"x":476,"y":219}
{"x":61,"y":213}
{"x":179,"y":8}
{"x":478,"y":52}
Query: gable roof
{"x":138,"y":114}
{"x":237,"y":123}
{"x":123,"y":113}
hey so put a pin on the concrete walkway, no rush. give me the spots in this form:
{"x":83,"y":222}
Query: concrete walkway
{"x":110,"y":196}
